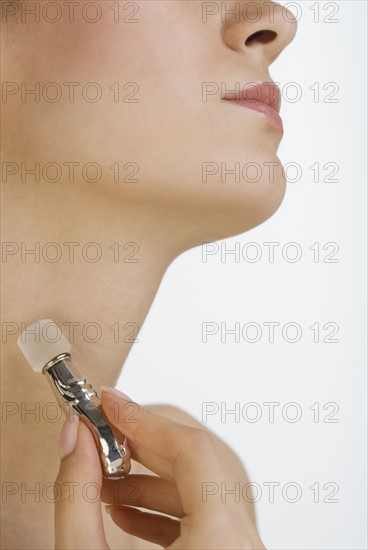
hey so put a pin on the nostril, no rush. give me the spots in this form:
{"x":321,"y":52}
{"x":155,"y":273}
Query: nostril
{"x":264,"y":37}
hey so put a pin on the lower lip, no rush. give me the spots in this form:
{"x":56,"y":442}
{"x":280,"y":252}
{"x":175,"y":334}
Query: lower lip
{"x":267,"y":110}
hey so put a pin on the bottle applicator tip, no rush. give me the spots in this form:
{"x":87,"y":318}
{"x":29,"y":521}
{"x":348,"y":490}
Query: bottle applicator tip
{"x":41,"y":342}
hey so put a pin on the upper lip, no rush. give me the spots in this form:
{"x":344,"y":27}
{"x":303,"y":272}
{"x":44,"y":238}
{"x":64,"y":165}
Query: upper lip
{"x":262,"y":92}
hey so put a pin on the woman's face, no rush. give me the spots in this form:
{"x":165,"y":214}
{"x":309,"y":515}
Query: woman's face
{"x":141,"y":89}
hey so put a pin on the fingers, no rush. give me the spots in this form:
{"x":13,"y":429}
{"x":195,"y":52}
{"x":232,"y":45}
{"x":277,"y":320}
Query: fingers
{"x":144,"y":491}
{"x":152,"y":527}
{"x":157,"y":465}
{"x":78,"y":517}
{"x":151,"y":431}
{"x":191,"y":452}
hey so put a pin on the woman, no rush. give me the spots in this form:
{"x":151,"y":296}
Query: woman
{"x":123,"y":124}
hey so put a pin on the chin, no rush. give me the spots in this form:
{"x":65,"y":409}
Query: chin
{"x":241,"y":209}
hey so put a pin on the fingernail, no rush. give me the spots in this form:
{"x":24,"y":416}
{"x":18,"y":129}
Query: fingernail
{"x":110,"y":507}
{"x":115,"y":392}
{"x":68,"y":436}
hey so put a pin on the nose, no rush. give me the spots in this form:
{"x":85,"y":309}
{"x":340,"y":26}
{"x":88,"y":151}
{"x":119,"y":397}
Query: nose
{"x":262,"y":28}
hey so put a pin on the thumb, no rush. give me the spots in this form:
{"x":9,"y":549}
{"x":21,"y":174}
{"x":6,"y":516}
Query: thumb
{"x":77,"y":490}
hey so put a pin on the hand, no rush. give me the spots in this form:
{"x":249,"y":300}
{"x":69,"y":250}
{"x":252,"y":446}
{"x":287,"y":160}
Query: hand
{"x":190,"y":471}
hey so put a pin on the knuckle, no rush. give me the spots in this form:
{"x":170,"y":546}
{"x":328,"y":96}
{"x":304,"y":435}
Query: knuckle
{"x":200,"y":440}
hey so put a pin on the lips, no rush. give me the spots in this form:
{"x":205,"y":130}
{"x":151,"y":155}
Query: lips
{"x":264,"y":97}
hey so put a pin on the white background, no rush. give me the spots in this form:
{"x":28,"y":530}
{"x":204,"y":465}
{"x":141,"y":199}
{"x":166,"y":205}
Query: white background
{"x":171,"y":364}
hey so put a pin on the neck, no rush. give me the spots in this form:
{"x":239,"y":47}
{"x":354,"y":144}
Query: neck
{"x":88,"y":263}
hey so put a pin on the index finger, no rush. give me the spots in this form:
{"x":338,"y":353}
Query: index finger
{"x":190,"y":451}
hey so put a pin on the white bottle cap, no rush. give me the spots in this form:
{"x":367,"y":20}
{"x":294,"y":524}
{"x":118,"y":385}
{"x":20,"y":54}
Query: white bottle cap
{"x":41,"y":342}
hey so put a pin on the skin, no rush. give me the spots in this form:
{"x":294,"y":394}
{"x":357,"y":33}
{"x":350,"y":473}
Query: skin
{"x":169,"y":133}
{"x":181,"y":458}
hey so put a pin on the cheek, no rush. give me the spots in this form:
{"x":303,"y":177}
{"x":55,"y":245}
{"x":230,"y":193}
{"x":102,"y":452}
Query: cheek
{"x":188,"y":151}
{"x":197,"y":154}
{"x":192,"y":155}
{"x":151,"y":116}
